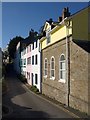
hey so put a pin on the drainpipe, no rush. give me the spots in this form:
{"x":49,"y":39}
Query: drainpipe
{"x":67,"y":64}
{"x":67,"y":83}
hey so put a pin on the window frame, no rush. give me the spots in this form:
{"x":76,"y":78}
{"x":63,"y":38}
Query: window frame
{"x":28,"y":60}
{"x":52,"y":77}
{"x":62,"y":70}
{"x":48,"y":36}
{"x":45,"y":69}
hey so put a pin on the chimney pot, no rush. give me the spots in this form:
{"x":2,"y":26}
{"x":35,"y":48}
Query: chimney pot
{"x":65,"y":13}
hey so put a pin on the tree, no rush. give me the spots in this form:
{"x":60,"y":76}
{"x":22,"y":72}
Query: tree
{"x":12,"y":45}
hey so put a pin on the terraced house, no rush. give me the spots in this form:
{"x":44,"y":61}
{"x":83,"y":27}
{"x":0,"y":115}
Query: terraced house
{"x":30,"y":57}
{"x":64,"y":50}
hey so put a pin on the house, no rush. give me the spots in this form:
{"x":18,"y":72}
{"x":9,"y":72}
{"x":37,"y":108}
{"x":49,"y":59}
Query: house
{"x":64,"y":51}
{"x":30,"y":57}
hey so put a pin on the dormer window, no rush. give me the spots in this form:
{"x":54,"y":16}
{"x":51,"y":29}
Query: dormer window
{"x":48,"y":36}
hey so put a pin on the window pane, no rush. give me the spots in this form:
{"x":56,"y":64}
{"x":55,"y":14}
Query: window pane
{"x":52,"y":65}
{"x":62,"y":58}
{"x":52,"y":73}
{"x":63,"y":65}
{"x":36,"y":59}
{"x":60,"y":65}
{"x":36,"y":79}
{"x":45,"y":65}
{"x":45,"y":72}
{"x":63,"y":75}
{"x":32,"y":60}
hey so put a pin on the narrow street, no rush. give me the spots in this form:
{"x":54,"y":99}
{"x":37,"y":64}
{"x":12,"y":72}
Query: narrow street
{"x":24,"y":104}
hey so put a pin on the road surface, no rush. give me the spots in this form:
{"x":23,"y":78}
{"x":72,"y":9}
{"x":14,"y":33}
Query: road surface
{"x":22,"y":103}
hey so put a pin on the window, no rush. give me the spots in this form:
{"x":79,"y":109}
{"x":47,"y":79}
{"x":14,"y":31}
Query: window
{"x":45,"y":67}
{"x":48,"y":35}
{"x":36,"y":79}
{"x":36,"y":43}
{"x":62,"y":68}
{"x":32,"y":60}
{"x":29,"y":60}
{"x":36,"y":59}
{"x":52,"y":68}
{"x":33,"y":46}
{"x":30,"y":47}
{"x":21,"y":62}
{"x":24,"y":62}
{"x":24,"y":52}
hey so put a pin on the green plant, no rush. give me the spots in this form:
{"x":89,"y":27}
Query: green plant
{"x":34,"y":89}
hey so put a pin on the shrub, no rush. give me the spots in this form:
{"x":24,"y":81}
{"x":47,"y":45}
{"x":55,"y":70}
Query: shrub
{"x":34,"y":89}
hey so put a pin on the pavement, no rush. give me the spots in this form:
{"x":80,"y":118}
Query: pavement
{"x":23,"y":103}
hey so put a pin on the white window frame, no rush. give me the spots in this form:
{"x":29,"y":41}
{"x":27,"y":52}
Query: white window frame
{"x":48,"y":35}
{"x":45,"y":76}
{"x":51,"y":77}
{"x":60,"y":61}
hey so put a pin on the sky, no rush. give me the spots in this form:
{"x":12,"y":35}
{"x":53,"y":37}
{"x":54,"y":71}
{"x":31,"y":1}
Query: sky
{"x":19,"y":17}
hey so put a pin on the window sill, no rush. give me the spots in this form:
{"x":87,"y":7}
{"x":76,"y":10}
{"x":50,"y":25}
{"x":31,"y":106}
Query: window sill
{"x":45,"y":76}
{"x":52,"y":78}
{"x":62,"y":80}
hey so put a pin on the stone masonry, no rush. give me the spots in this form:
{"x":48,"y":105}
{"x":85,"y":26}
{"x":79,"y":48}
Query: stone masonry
{"x":78,"y":74}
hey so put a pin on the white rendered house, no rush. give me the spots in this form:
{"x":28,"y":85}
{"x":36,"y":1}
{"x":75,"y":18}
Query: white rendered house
{"x":33,"y":64}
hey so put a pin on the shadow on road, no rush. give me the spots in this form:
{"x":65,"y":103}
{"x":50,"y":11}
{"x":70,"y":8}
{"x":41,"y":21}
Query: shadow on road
{"x":15,"y":89}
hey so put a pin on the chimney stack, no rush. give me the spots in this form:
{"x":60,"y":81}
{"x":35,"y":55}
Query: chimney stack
{"x":65,"y":13}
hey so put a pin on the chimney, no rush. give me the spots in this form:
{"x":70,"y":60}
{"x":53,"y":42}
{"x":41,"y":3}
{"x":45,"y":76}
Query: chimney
{"x":31,"y":33}
{"x":65,"y":13}
{"x":59,"y":19}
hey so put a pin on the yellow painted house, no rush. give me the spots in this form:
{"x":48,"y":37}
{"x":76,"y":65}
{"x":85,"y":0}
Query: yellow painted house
{"x":57,"y":33}
{"x":65,"y":59}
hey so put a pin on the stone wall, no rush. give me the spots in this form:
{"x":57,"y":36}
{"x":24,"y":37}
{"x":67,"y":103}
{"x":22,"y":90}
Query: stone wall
{"x":78,"y":77}
{"x":54,"y":88}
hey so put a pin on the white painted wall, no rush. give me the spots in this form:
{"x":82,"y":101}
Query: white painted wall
{"x":35,"y":69}
{"x":23,"y":68}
